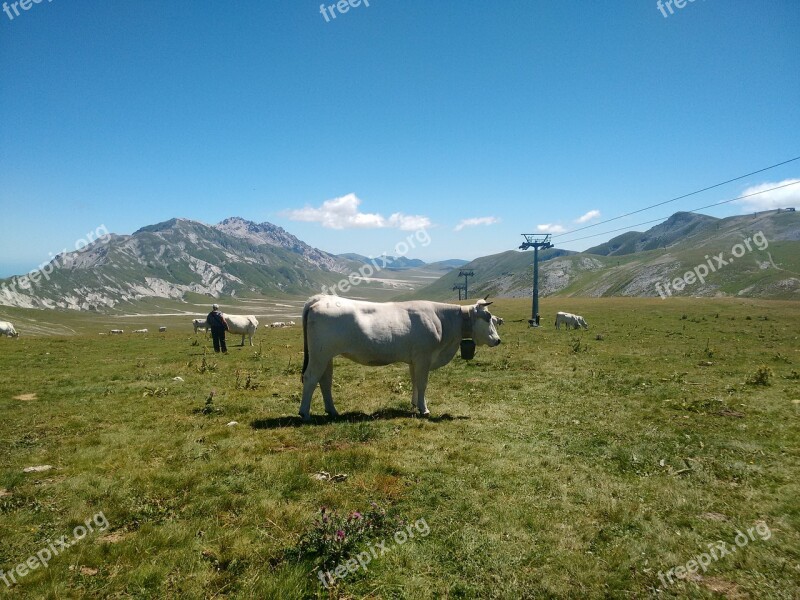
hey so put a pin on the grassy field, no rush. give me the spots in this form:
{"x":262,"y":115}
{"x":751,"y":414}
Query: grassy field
{"x":561,"y":464}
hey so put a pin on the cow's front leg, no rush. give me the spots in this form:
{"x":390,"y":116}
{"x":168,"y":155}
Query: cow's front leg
{"x":325,"y":384}
{"x":421,"y":370}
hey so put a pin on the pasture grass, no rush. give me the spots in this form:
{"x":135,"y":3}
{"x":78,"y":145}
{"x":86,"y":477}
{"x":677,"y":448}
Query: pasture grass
{"x":561,"y":464}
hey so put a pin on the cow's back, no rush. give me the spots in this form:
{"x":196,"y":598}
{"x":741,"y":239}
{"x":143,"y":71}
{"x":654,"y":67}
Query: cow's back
{"x":370,"y":333}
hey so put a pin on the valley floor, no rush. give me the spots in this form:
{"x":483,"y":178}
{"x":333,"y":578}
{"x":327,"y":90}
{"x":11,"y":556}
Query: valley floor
{"x":562,"y":464}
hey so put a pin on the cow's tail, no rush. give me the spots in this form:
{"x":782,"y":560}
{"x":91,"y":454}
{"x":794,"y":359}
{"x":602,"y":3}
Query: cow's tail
{"x":306,"y":308}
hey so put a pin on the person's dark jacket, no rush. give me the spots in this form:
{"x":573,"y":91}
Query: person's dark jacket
{"x":216,"y":321}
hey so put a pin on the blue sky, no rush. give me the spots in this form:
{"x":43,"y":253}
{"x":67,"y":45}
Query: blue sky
{"x":352,"y":132}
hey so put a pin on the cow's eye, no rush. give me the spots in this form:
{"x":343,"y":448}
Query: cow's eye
{"x":486,"y":317}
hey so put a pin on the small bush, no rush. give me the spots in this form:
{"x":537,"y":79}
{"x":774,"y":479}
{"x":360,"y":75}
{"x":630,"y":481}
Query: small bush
{"x":246,"y":382}
{"x":155,"y":391}
{"x":760,"y":377}
{"x":334,"y":537}
{"x":209,"y":408}
{"x":206,"y":366}
{"x":578,"y":346}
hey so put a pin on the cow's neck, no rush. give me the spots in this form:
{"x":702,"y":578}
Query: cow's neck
{"x":466,"y":323}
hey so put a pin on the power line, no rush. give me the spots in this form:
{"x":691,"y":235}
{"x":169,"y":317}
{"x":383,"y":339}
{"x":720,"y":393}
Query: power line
{"x":705,"y":189}
{"x":692,"y":210}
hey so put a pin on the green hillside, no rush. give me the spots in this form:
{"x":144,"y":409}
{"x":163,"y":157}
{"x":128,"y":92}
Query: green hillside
{"x":643,"y":263}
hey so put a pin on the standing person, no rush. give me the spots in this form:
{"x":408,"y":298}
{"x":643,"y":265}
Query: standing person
{"x":218,"y":328}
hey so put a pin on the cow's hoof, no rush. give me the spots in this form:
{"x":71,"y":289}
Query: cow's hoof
{"x":332,"y":413}
{"x":425,"y":415}
{"x":306,"y":418}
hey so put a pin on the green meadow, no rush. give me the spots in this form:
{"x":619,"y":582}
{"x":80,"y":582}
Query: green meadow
{"x":561,"y":464}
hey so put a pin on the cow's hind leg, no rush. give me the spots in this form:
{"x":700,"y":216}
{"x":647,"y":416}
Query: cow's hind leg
{"x":310,"y":380}
{"x":414,"y":390}
{"x":314,"y":373}
{"x":325,"y":384}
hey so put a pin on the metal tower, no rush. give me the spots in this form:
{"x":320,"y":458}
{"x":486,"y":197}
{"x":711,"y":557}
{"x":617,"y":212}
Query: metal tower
{"x":459,"y":287}
{"x":535,"y":241}
{"x":465,"y":275}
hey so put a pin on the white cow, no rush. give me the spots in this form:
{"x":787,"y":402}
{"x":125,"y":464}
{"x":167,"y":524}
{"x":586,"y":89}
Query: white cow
{"x":242,"y":325}
{"x":278,"y":324}
{"x":7,"y":329}
{"x":290,"y":324}
{"x":140,"y":331}
{"x":571,"y":321}
{"x":200,"y":324}
{"x":426,"y":335}
{"x":117,"y":331}
{"x":162,"y":329}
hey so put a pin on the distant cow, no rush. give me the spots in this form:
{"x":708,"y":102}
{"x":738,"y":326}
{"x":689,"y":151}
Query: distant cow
{"x":7,"y":329}
{"x":278,"y":324}
{"x":242,"y":325}
{"x":426,"y":335}
{"x":117,"y":331}
{"x":162,"y":329}
{"x":290,"y":324}
{"x":571,"y":321}
{"x":200,"y":324}
{"x":140,"y":331}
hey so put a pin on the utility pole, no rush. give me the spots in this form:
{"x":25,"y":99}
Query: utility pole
{"x":535,"y":241}
{"x":459,"y":287}
{"x":466,"y":275}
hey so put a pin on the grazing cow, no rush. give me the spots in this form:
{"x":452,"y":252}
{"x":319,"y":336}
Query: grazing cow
{"x":426,"y":335}
{"x":117,"y":331}
{"x":242,"y":325}
{"x":571,"y":321}
{"x":200,"y":324}
{"x":7,"y":329}
{"x":162,"y":329}
{"x":290,"y":324}
{"x":278,"y":324}
{"x":140,"y":331}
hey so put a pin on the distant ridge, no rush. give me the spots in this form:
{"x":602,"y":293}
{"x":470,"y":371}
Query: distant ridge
{"x":633,"y":263}
{"x":170,"y":259}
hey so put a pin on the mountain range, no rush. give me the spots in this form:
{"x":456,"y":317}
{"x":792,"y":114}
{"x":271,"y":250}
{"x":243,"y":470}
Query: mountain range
{"x":240,"y":258}
{"x":171,"y":259}
{"x":633,"y":263}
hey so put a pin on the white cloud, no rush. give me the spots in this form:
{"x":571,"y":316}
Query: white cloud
{"x":782,"y":198}
{"x":343,"y":213}
{"x":550,"y":228}
{"x":592,"y":214}
{"x":475,"y":221}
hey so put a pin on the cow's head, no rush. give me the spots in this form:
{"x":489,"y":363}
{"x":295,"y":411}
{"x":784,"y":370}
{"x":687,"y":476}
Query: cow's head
{"x":484,"y":330}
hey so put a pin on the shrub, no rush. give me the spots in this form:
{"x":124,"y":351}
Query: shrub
{"x":334,"y":537}
{"x":760,"y":377}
